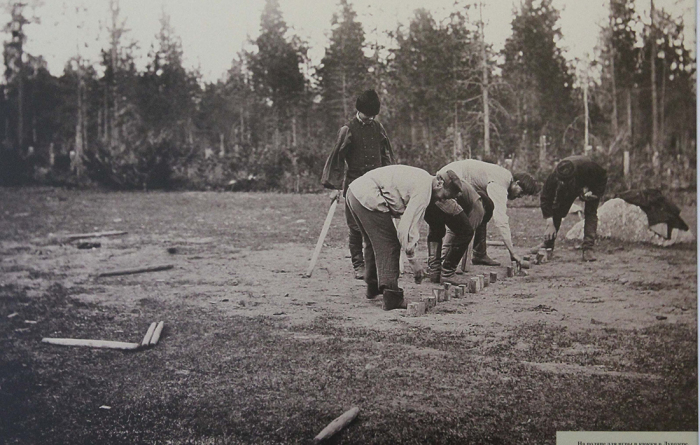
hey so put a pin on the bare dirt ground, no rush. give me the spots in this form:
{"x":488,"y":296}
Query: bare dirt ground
{"x":253,"y":352}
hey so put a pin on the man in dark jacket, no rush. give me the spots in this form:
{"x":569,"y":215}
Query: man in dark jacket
{"x":362,"y":145}
{"x":574,"y":177}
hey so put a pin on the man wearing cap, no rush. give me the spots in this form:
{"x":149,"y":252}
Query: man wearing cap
{"x":573,"y":177}
{"x":374,"y":200}
{"x":362,"y":145}
{"x":495,"y":185}
{"x":455,"y":220}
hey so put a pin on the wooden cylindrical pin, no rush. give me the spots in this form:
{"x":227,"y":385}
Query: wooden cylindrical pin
{"x":430,"y":302}
{"x":473,"y":285}
{"x":509,"y":271}
{"x":493,"y":277}
{"x":549,"y":253}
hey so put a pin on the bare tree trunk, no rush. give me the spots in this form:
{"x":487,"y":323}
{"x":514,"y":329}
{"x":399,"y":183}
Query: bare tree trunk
{"x":585,"y":111}
{"x":295,"y":156}
{"x":654,"y":105}
{"x":77,"y":161}
{"x":614,"y":94}
{"x":20,"y":103}
{"x":345,"y":97}
{"x":485,"y":89}
{"x":629,"y":116}
{"x":413,"y":128}
{"x":662,"y":108}
{"x":455,"y":148}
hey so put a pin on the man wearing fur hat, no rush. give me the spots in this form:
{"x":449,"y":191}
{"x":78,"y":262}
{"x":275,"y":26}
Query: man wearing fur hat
{"x":573,"y":177}
{"x":362,"y":145}
{"x":385,"y":193}
{"x":495,"y":185}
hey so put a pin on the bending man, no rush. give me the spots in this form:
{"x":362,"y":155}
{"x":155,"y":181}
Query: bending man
{"x":395,"y":191}
{"x":575,"y":176}
{"x":495,"y":185}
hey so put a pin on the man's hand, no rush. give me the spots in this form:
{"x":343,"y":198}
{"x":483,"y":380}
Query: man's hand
{"x":550,"y":232}
{"x":515,"y":257}
{"x":335,"y":194}
{"x":587,"y":195}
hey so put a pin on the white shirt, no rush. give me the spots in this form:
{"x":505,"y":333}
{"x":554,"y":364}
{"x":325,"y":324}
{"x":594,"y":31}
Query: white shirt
{"x":491,"y":179}
{"x":401,"y":190}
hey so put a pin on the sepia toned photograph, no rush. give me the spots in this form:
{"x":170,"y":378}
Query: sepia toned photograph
{"x":348,"y":222}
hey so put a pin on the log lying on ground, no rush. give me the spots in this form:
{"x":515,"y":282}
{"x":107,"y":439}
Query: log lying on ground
{"x":135,"y":271}
{"x":337,"y":425}
{"x":92,"y":343}
{"x":75,"y":236}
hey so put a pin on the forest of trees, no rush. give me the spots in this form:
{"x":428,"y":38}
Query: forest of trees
{"x":270,"y":123}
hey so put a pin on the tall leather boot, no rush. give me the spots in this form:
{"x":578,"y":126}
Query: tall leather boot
{"x":393,"y":299}
{"x":455,"y":247}
{"x":434,"y":260}
{"x":479,"y":252}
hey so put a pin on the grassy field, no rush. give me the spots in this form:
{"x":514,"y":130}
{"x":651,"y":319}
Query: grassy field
{"x":253,"y":353}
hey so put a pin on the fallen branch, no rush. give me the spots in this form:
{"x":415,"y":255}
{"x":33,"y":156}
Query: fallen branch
{"x":75,"y":236}
{"x":135,"y":271}
{"x":337,"y":425}
{"x":92,"y":343}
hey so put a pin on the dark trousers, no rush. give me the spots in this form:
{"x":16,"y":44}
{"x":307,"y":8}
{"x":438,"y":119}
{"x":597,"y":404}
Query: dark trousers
{"x":480,"y":232}
{"x":354,"y":238}
{"x":590,"y":224}
{"x":382,"y":247}
{"x":457,"y":242}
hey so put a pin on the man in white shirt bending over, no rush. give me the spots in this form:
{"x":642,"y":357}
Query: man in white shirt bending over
{"x":496,"y":185}
{"x":394,"y":191}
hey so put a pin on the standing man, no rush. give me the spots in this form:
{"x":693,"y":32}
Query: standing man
{"x":575,"y":176}
{"x":362,"y":145}
{"x":496,"y":185}
{"x":374,"y":199}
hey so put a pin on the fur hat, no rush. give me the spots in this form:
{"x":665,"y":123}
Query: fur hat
{"x":368,"y":103}
{"x":527,"y":183}
{"x":565,"y":170}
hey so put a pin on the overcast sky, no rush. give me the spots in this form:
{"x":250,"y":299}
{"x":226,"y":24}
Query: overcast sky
{"x":214,"y":31}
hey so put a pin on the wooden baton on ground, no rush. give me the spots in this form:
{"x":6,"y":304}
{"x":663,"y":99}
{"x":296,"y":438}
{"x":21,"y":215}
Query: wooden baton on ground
{"x":135,"y":271}
{"x":337,"y":425}
{"x":322,"y":236}
{"x":149,"y":334}
{"x":156,"y":334}
{"x":92,"y":343}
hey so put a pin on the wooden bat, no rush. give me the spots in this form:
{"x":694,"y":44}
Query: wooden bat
{"x":156,"y":334}
{"x":322,"y":236}
{"x":337,"y":425}
{"x":149,"y":334}
{"x":92,"y":343}
{"x":135,"y":271}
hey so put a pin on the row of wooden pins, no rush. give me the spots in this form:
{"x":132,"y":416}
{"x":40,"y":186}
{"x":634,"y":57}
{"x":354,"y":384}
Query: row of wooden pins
{"x":151,"y":339}
{"x":450,"y":291}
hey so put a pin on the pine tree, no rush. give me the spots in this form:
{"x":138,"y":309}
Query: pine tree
{"x":538,"y":74}
{"x":344,"y":68}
